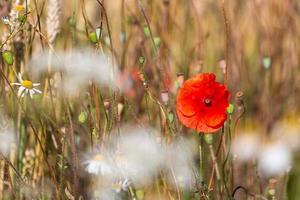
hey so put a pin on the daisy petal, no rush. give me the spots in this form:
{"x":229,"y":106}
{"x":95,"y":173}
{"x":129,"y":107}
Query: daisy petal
{"x":21,"y":91}
{"x":31,"y":93}
{"x":37,"y":90}
{"x":19,"y":84}
{"x":36,"y":84}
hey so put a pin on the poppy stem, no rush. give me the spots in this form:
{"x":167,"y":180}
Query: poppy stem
{"x":201,"y":171}
{"x":215,"y":163}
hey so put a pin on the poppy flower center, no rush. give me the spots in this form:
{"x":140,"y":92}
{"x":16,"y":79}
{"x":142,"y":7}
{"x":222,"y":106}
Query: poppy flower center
{"x":27,"y":84}
{"x":207,"y":102}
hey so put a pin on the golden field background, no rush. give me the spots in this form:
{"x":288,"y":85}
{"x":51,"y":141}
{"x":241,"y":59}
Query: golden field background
{"x":149,"y":46}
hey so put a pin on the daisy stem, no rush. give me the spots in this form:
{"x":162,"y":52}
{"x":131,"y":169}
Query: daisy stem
{"x":131,"y":191}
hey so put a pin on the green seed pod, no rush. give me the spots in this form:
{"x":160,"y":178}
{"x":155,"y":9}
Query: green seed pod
{"x":267,"y":62}
{"x":8,"y":57}
{"x":230,"y":108}
{"x":93,"y":37}
{"x":157,"y":41}
{"x":142,"y":60}
{"x":82,"y":117}
{"x":147,"y":31}
{"x":208,"y":139}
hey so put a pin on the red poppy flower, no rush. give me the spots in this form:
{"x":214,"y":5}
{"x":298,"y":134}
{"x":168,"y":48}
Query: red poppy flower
{"x":201,"y":103}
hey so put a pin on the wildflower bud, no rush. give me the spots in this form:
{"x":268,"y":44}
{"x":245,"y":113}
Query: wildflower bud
{"x":230,"y":108}
{"x":107,"y":104}
{"x":82,"y":117}
{"x":142,"y":77}
{"x":120,"y":108}
{"x":165,"y":96}
{"x":180,"y":79}
{"x":239,"y":101}
{"x":266,"y":62}
{"x":8,"y":57}
{"x":156,"y":41}
{"x":208,"y":139}
{"x":98,"y":32}
{"x":93,"y":37}
{"x":146,"y":31}
{"x":170,"y":117}
{"x":222,"y":65}
{"x":239,"y":98}
{"x":142,"y":60}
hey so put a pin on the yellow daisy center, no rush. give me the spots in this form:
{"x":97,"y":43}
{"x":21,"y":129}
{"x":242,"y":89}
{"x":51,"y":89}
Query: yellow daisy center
{"x":19,"y":8}
{"x":98,"y":157}
{"x":28,"y":84}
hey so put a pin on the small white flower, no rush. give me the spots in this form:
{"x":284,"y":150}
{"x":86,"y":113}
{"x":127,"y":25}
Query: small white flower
{"x":98,"y":165}
{"x":121,"y":185}
{"x":5,"y":20}
{"x":26,"y":87}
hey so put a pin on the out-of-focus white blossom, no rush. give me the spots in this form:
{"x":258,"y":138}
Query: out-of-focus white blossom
{"x":79,"y":66}
{"x":7,"y":135}
{"x":274,"y":159}
{"x":245,"y":146}
{"x":98,"y":165}
{"x":143,"y":156}
{"x":180,"y":163}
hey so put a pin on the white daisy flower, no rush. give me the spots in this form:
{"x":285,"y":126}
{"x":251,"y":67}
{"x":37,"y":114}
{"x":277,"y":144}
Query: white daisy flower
{"x":121,"y":185}
{"x":98,"y":165}
{"x":26,"y":87}
{"x":5,"y":20}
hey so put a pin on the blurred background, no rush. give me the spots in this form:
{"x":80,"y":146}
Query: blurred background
{"x":59,"y":140}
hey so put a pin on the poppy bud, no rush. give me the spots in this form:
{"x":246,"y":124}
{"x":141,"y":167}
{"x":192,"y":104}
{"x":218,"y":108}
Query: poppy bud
{"x":156,"y":41}
{"x":106,"y":104}
{"x":93,"y":37}
{"x":180,"y":79}
{"x":230,"y":109}
{"x":239,"y":96}
{"x":239,"y":100}
{"x":141,"y":60}
{"x":146,"y":31}
{"x":266,"y":62}
{"x":8,"y":57}
{"x":120,"y":107}
{"x":222,"y":65}
{"x":98,"y":32}
{"x":165,"y":96}
{"x":208,"y":139}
